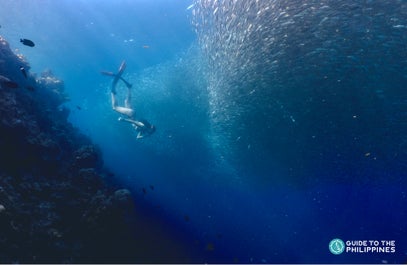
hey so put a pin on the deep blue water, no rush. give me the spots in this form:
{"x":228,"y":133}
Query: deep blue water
{"x":280,"y":124}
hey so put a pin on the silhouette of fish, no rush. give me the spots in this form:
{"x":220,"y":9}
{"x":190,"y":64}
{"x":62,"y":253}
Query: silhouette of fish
{"x":27,"y":42}
{"x":144,"y":191}
{"x":78,"y":107}
{"x":23,"y":71}
{"x":151,"y":187}
{"x":4,"y":81}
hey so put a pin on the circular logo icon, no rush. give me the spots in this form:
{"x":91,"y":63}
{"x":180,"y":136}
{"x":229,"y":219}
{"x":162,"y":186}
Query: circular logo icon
{"x":336,"y":246}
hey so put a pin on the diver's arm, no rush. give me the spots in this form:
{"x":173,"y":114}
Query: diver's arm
{"x":136,"y":123}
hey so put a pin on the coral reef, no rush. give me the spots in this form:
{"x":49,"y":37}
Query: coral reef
{"x":55,"y":203}
{"x":52,"y":196}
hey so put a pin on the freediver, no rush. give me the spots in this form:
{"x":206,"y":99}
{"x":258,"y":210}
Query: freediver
{"x":143,"y":127}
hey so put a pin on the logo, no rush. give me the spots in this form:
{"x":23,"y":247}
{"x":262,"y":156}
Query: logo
{"x":336,"y":246}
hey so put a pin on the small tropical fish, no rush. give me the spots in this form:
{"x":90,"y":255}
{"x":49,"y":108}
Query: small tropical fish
{"x":151,"y":187}
{"x":23,"y":71}
{"x":146,"y":46}
{"x":27,"y":42}
{"x":78,"y":107}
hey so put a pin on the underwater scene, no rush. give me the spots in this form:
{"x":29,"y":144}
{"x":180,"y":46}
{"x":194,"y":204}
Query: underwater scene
{"x":203,"y":131}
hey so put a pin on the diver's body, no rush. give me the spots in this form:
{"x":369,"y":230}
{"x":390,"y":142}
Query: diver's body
{"x":142,"y":127}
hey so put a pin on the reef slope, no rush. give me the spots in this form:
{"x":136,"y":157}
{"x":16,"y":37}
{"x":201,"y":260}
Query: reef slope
{"x":57,"y":202}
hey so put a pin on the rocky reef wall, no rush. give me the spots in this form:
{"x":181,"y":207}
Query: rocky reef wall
{"x":56,"y":202}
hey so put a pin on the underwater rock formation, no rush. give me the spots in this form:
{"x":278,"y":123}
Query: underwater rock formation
{"x":55,"y":203}
{"x":51,"y":177}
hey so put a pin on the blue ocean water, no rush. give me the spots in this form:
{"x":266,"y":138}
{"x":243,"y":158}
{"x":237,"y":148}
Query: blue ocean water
{"x":281,"y":125}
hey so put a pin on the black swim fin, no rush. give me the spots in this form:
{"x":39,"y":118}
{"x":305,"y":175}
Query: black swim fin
{"x":128,"y":85}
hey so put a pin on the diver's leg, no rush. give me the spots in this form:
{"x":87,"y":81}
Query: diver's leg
{"x":114,"y":83}
{"x":127,"y":101}
{"x":122,"y":110}
{"x":127,"y":105}
{"x":125,"y":111}
{"x":114,"y":100}
{"x":135,"y":122}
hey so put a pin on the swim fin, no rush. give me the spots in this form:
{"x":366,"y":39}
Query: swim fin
{"x":128,"y":85}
